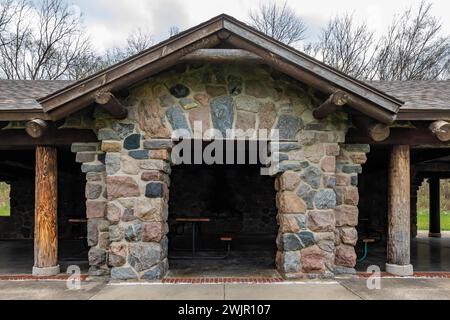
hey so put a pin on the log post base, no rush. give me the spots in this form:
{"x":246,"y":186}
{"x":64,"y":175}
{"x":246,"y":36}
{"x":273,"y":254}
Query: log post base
{"x":402,"y":271}
{"x":47,"y":271}
{"x":434,"y":235}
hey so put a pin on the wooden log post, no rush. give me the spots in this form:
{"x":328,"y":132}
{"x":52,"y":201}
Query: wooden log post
{"x":398,"y":247}
{"x":45,"y":213}
{"x":435,"y":210}
{"x":331,"y":105}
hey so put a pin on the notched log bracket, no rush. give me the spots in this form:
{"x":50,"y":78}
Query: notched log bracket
{"x":111,"y":104}
{"x":334,"y":102}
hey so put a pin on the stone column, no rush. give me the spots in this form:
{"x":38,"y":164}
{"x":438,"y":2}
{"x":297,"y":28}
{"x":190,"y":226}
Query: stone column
{"x":46,"y":203}
{"x":93,"y":165}
{"x":398,"y":247}
{"x":435,"y":210}
{"x":349,"y":165}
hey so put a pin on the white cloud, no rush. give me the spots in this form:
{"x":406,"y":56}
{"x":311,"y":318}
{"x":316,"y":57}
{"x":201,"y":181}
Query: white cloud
{"x":110,"y":21}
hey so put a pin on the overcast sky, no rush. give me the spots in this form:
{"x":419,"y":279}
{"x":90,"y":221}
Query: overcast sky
{"x":110,"y":21}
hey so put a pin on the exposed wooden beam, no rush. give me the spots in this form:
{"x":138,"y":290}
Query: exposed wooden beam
{"x":375,"y":130}
{"x":57,"y":137}
{"x":111,"y":104}
{"x":36,"y":128}
{"x":334,"y":102}
{"x":45,"y":212}
{"x":222,"y":56}
{"x":383,"y":115}
{"x":441,"y":129}
{"x":419,"y":137}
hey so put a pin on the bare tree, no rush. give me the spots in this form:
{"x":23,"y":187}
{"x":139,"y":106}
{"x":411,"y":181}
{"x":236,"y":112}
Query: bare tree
{"x":137,"y":41}
{"x":346,"y":46}
{"x":414,"y":48}
{"x":43,"y":42}
{"x":173,"y":31}
{"x":278,"y":21}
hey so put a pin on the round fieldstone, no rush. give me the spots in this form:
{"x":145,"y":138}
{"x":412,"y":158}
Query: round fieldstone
{"x":97,"y":257}
{"x":116,"y":233}
{"x":143,"y":256}
{"x":312,"y":176}
{"x":107,"y":134}
{"x":288,"y":126}
{"x":125,"y":273}
{"x":291,"y":261}
{"x":179,"y":91}
{"x":156,"y":272}
{"x":325,"y":199}
{"x":133,"y":141}
{"x":123,"y":129}
{"x":112,"y":162}
{"x":128,"y":215}
{"x":93,"y":191}
{"x":177,"y":118}
{"x":134,"y":232}
{"x":154,"y":190}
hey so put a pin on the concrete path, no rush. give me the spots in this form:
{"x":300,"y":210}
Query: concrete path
{"x":347,"y":289}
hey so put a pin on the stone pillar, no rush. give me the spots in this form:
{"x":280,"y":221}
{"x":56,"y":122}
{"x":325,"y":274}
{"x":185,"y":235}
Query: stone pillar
{"x":306,"y":201}
{"x":435,"y":210}
{"x":349,"y":165}
{"x":92,"y":161}
{"x":46,"y":204}
{"x":398,"y":247}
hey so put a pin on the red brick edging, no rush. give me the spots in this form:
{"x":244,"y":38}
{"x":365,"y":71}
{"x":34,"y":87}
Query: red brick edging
{"x":222,"y":280}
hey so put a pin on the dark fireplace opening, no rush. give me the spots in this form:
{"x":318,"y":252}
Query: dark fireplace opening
{"x":236,"y":201}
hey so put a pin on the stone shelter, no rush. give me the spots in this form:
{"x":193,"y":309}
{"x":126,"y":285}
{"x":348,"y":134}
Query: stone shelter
{"x":100,"y":149}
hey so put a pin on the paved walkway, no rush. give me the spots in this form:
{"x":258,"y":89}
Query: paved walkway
{"x":347,"y":289}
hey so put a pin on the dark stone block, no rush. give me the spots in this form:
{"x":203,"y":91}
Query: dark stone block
{"x":138,"y":154}
{"x":131,"y":142}
{"x":288,"y":126}
{"x":179,"y":91}
{"x":154,"y":190}
{"x":222,"y":112}
{"x":177,"y":118}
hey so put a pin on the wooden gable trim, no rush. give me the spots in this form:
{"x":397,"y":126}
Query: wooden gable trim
{"x":301,"y":60}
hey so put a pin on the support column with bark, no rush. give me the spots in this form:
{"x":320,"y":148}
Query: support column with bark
{"x":45,"y":213}
{"x":398,"y":247}
{"x":435,"y":210}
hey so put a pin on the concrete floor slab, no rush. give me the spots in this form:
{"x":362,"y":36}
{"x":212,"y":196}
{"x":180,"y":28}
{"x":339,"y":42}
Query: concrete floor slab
{"x":46,"y":290}
{"x":158,"y":291}
{"x":322,"y":290}
{"x":401,"y":289}
{"x":342,"y":289}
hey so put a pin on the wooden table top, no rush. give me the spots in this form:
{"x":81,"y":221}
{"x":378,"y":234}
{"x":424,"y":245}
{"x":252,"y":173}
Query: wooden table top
{"x":192,"y":219}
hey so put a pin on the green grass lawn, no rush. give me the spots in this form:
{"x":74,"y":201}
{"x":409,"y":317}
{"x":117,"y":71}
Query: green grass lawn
{"x":4,"y":211}
{"x":423,"y":220}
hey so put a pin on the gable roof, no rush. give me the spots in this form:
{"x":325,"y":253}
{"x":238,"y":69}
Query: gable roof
{"x":210,"y":34}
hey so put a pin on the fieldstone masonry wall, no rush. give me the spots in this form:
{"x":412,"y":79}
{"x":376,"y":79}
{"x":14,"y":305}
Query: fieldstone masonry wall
{"x":128,"y":173}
